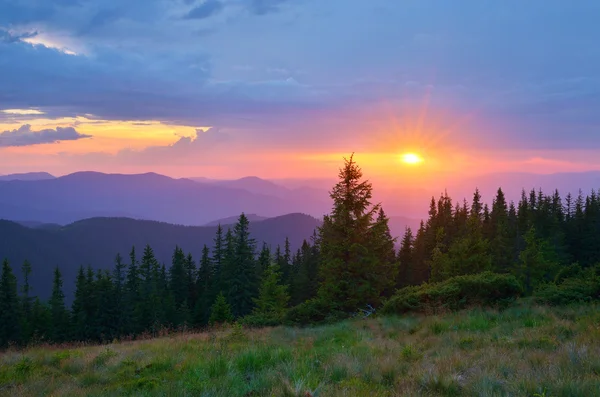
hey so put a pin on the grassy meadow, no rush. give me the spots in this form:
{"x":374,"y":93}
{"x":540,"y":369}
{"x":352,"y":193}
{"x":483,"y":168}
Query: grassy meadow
{"x":524,"y":350}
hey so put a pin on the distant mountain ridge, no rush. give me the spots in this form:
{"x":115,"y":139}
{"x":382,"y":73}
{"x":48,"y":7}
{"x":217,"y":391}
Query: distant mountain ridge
{"x":233,"y":219}
{"x":148,"y":196}
{"x":96,"y":241}
{"x":28,"y":176}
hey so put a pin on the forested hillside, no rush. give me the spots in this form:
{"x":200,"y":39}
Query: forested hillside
{"x":464,"y":254}
{"x":95,"y":242}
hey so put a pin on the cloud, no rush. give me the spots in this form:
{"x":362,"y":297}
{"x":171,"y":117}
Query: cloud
{"x":262,"y":7}
{"x":151,"y":59}
{"x":205,"y":10}
{"x":24,"y":136}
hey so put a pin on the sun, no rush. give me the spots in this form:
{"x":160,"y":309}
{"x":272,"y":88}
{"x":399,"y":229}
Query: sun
{"x":411,"y":158}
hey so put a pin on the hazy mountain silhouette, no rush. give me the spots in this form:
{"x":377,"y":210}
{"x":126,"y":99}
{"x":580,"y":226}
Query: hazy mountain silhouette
{"x":28,"y":176}
{"x":144,"y":196}
{"x":230,"y":220}
{"x":96,"y":241}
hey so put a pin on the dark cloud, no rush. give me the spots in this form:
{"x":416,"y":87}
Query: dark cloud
{"x":8,"y":37}
{"x":205,"y":10}
{"x":24,"y":136}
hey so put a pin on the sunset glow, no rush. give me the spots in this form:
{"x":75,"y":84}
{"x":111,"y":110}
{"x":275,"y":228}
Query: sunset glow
{"x":411,"y":158}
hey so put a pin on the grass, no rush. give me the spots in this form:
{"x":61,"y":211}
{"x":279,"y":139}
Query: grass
{"x":521,"y":351}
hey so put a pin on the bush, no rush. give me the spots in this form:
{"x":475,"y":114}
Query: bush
{"x":484,"y":289}
{"x":570,"y":290}
{"x":313,"y":311}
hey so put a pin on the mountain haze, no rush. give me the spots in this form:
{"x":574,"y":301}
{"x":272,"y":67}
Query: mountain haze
{"x":144,"y":196}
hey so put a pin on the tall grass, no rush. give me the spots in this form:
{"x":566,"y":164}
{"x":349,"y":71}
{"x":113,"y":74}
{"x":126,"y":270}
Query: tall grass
{"x":524,"y":350}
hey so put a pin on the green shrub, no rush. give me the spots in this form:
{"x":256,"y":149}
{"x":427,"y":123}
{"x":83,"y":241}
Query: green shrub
{"x":484,"y":289}
{"x":570,"y":290}
{"x":310,"y":312}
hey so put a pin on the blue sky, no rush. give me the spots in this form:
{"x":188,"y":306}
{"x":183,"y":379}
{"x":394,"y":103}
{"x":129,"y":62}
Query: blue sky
{"x":300,"y":76}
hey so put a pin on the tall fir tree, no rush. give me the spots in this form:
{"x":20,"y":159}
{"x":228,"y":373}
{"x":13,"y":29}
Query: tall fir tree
{"x":58,"y":312}
{"x":131,"y":299}
{"x":206,"y":288}
{"x":220,"y":311}
{"x":383,"y":247}
{"x":27,"y":329}
{"x":406,"y":271}
{"x":273,"y":297}
{"x":178,"y":278}
{"x":349,"y":262}
{"x":119,"y":278}
{"x":242,"y":283}
{"x":10,"y":321}
{"x":501,"y":244}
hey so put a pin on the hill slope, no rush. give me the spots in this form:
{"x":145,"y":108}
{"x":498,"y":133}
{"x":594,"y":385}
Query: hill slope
{"x":96,"y":241}
{"x":521,"y":351}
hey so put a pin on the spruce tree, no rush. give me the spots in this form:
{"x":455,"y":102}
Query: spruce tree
{"x":41,"y":321}
{"x":383,"y":247}
{"x":79,"y":315}
{"x":501,"y":246}
{"x":119,"y":285}
{"x":105,"y":316}
{"x":131,"y":301}
{"x":26,"y":304}
{"x":273,"y":297}
{"x":264,"y":261}
{"x":206,"y":288}
{"x":218,"y":258}
{"x":149,"y":305}
{"x":349,"y":259}
{"x":538,"y":261}
{"x":10,"y":319}
{"x":58,"y":312}
{"x":191,"y":275}
{"x":241,"y":282}
{"x":178,"y":278}
{"x":220,"y":311}
{"x":406,"y":272}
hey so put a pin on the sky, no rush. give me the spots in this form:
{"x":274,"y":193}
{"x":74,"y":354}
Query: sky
{"x":285,"y":88}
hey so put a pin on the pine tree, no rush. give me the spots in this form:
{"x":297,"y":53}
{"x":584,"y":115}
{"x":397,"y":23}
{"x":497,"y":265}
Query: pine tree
{"x":131,"y":301}
{"x":41,"y":321}
{"x":285,"y":263}
{"x":206,"y":287}
{"x":220,"y":311}
{"x":79,"y":315}
{"x":264,"y":261}
{"x":383,"y":247}
{"x":58,"y":312}
{"x":538,"y":261}
{"x":10,"y":320}
{"x":149,"y":305}
{"x":500,"y":239}
{"x":349,"y":261}
{"x":218,"y":260}
{"x":191,"y":275}
{"x":119,"y":285}
{"x":421,"y":270}
{"x":406,"y":272}
{"x":105,"y":316}
{"x":273,"y":297}
{"x":241,"y":281}
{"x":27,"y":330}
{"x":178,"y":278}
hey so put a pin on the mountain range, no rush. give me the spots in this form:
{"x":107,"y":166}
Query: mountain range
{"x":148,"y":196}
